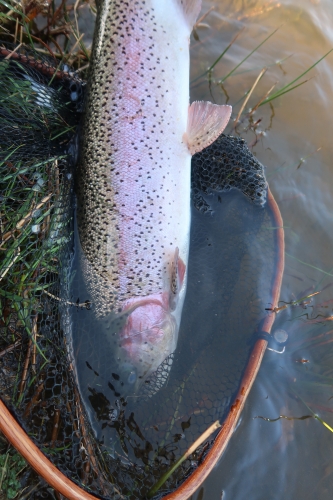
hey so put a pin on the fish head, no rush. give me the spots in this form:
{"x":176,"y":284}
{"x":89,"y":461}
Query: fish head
{"x":145,"y":331}
{"x":148,"y":336}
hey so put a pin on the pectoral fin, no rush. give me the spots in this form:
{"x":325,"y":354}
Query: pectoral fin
{"x":206,"y":121}
{"x":177,"y":279}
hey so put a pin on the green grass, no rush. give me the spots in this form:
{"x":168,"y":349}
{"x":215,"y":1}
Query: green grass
{"x":11,"y":466}
{"x":31,"y":184}
{"x":33,"y":223}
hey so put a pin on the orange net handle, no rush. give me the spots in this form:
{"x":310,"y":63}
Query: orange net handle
{"x":38,"y":461}
{"x":42,"y":465}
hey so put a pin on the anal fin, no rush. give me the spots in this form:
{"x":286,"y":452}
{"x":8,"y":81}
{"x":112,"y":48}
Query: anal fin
{"x":206,"y":121}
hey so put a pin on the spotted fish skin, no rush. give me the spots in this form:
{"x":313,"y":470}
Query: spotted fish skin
{"x":134,"y":174}
{"x":133,"y":181}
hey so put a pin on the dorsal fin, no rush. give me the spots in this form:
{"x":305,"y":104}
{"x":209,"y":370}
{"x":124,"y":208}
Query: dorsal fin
{"x":191,"y":9}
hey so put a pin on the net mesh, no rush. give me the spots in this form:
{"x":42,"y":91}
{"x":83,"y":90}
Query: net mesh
{"x":234,"y":167}
{"x":57,"y":371}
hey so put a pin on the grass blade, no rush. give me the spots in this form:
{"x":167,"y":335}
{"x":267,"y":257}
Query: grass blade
{"x":249,"y":55}
{"x":256,"y":68}
{"x":262,"y":99}
{"x":313,"y":413}
{"x":216,"y":425}
{"x":218,"y":59}
{"x":278,"y":94}
{"x":284,"y":89}
{"x":309,"y":265}
{"x":262,"y":72}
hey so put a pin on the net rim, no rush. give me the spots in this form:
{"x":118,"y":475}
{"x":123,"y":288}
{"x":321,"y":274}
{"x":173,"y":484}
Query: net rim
{"x":44,"y":68}
{"x":44,"y":467}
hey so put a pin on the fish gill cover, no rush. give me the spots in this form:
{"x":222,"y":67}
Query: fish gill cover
{"x":58,"y":373}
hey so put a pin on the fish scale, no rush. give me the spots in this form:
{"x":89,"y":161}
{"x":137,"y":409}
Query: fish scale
{"x":232,"y":261}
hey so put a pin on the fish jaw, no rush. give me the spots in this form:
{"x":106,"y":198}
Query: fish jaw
{"x":147,"y":338}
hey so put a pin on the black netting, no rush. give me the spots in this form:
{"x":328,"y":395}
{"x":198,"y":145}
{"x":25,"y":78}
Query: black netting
{"x":39,"y":110}
{"x":58,"y":369}
{"x":235,"y":168}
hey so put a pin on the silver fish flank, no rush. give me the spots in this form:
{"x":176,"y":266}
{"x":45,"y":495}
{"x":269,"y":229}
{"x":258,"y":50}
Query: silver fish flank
{"x":139,"y":134}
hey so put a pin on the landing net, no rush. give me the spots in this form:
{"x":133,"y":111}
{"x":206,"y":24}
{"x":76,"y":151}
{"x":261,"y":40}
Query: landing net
{"x":56,"y":372}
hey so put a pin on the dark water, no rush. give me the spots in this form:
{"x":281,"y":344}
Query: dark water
{"x":288,"y":458}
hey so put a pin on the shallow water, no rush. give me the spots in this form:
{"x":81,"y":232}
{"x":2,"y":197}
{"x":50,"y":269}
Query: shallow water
{"x":289,"y":458}
{"x":290,"y":136}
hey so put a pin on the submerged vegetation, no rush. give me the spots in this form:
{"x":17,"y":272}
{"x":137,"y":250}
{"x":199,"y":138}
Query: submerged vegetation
{"x":31,"y":221}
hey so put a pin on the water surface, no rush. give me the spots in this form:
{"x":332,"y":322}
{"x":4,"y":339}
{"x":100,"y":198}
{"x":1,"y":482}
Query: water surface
{"x":287,"y":459}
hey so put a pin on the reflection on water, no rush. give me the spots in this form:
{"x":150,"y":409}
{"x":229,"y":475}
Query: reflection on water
{"x":289,"y":458}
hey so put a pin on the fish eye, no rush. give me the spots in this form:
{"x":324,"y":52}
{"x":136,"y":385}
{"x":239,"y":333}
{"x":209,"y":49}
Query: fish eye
{"x":132,"y":377}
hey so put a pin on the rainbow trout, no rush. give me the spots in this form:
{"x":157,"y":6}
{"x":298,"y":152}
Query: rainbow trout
{"x":134,"y":175}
